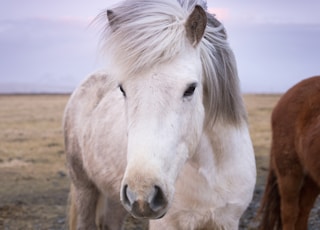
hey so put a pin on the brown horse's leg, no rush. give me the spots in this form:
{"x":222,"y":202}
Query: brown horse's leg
{"x":308,"y":196}
{"x":289,"y":188}
{"x":311,"y":161}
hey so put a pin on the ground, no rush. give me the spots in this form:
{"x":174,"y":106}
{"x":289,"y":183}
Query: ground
{"x":33,"y":179}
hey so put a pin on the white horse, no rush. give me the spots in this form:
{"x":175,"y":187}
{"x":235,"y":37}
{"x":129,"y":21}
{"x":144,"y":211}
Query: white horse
{"x":163,"y":133}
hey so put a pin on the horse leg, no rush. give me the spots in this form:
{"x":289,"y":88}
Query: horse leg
{"x":311,"y":186}
{"x":84,"y":195}
{"x":308,"y":195}
{"x":289,"y":188}
{"x":72,"y":214}
{"x":112,"y":216}
{"x":110,"y":213}
{"x":86,"y":200}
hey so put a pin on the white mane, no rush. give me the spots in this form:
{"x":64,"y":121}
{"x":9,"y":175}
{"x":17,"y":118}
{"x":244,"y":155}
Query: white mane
{"x":145,"y":33}
{"x":154,"y":146}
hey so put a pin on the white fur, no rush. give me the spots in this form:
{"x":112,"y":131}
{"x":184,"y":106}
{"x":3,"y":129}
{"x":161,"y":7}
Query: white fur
{"x":213,"y":188}
{"x":216,"y":187}
{"x":197,"y":149}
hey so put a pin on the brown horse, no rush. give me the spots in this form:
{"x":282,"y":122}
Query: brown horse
{"x":294,"y":175}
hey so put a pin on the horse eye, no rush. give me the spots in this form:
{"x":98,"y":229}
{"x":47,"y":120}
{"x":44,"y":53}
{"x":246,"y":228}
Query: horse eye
{"x":122,"y":90}
{"x":190,"y":90}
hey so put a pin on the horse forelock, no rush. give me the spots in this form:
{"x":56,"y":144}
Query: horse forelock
{"x":145,"y":33}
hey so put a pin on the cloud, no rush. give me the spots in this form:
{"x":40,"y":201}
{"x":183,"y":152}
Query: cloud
{"x":275,"y":43}
{"x":39,"y":28}
{"x":222,"y":14}
{"x":273,"y":11}
{"x":273,"y":57}
{"x":47,"y":52}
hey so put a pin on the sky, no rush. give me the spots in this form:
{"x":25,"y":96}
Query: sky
{"x":51,"y":46}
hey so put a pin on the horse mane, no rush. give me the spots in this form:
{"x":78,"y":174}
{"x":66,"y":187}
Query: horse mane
{"x":223,"y":98}
{"x":145,"y":33}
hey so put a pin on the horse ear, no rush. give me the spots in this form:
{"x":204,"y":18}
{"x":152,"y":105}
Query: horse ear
{"x":111,"y":16}
{"x":196,"y":25}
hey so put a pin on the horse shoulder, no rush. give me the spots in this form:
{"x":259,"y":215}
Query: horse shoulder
{"x":88,"y":94}
{"x":294,"y":119}
{"x":94,"y":101}
{"x":308,"y":125}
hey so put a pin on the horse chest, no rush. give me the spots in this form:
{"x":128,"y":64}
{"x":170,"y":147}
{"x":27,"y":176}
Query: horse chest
{"x":209,"y":194}
{"x":199,"y":192}
{"x":195,"y":202}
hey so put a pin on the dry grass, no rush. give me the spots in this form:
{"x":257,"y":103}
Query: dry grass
{"x":32,"y":164}
{"x":34,"y":185}
{"x":259,"y":110}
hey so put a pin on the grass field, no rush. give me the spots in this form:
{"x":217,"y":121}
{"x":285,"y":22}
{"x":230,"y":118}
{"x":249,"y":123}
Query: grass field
{"x":33,"y":178}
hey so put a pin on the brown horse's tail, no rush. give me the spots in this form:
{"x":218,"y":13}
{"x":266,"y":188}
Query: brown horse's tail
{"x":269,"y":212}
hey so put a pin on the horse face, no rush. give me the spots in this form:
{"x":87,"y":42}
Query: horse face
{"x":165,"y":113}
{"x":165,"y":116}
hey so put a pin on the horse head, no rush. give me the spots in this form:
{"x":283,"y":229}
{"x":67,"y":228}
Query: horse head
{"x":160,"y":76}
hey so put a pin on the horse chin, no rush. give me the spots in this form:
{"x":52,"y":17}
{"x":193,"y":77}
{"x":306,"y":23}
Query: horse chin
{"x":162,"y":215}
{"x":152,"y":217}
{"x":140,"y":211}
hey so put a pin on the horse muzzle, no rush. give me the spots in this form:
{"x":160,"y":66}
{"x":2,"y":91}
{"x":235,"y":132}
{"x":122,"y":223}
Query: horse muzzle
{"x":152,"y":205}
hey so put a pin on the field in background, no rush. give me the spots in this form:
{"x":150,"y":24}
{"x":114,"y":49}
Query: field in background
{"x":33,"y":178}
{"x":259,"y":107}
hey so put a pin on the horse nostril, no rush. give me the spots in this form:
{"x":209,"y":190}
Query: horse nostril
{"x":151,"y":203}
{"x":126,"y":200}
{"x":158,"y":201}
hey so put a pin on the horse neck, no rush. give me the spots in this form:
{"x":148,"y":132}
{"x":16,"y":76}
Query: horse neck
{"x":222,"y":147}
